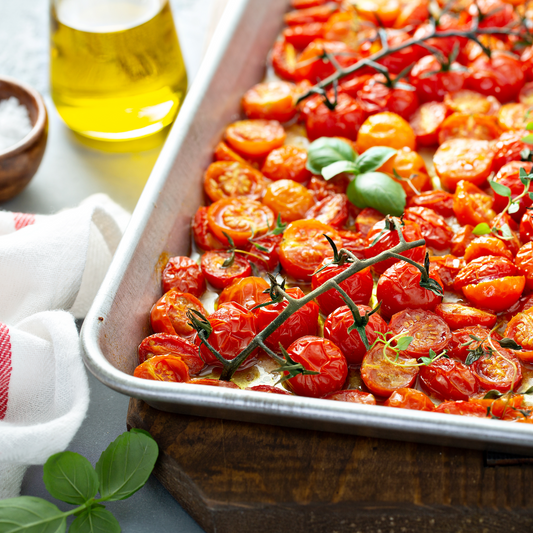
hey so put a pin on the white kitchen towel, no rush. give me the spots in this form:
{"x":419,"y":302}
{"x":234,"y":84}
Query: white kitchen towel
{"x":50,"y":270}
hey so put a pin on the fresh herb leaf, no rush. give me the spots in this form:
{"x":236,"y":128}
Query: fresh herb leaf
{"x":528,"y":139}
{"x":95,"y":520}
{"x":126,"y":464}
{"x":377,"y":190}
{"x":492,"y":395}
{"x":30,"y":515}
{"x":337,"y":168}
{"x":373,"y":158}
{"x":481,"y":229}
{"x":513,"y":208}
{"x":509,"y":343}
{"x":500,"y":189}
{"x":70,"y":477}
{"x":403,"y":343}
{"x":474,"y":355}
{"x":528,"y":391}
{"x":327,"y":150}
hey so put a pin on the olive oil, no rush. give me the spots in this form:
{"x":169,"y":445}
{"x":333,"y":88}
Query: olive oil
{"x":116,"y":68}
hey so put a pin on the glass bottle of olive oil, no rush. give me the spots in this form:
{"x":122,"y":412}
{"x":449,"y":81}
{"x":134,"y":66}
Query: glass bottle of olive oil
{"x":116,"y":68}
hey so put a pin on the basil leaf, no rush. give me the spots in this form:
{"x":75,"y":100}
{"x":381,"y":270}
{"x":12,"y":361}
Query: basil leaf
{"x":528,"y":139}
{"x":30,"y":515}
{"x":336,"y":168}
{"x":377,"y":190}
{"x":327,"y":150}
{"x":481,"y":229}
{"x":373,"y":158}
{"x":500,"y":189}
{"x":95,"y":520}
{"x":126,"y":464}
{"x":70,"y":477}
{"x":529,"y":127}
{"x":403,"y":343}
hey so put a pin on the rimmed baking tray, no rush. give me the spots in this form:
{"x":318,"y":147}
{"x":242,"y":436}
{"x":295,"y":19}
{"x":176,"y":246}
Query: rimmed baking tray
{"x":118,"y":319}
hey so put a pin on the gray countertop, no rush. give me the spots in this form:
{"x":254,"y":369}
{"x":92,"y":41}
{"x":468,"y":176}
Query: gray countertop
{"x":72,"y":170}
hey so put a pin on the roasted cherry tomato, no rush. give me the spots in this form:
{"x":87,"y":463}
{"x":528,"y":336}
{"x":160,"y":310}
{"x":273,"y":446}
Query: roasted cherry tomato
{"x":526,"y":226}
{"x":268,"y":388}
{"x":508,"y":147}
{"x":463,"y":408}
{"x":520,"y":329}
{"x":494,"y":13}
{"x":412,"y":13}
{"x":484,"y":268}
{"x":239,"y":218}
{"x":233,"y":328}
{"x":411,"y":169}
{"x":463,"y":159}
{"x":399,"y":288}
{"x":255,"y":138}
{"x":164,"y":344}
{"x":514,"y":116}
{"x":315,"y":13}
{"x":367,"y":219}
{"x":463,"y":126}
{"x":227,"y":179}
{"x":313,"y":65}
{"x":461,"y":240}
{"x":410,"y":399}
{"x":304,"y":247}
{"x":499,"y":370}
{"x":163,"y":368}
{"x":358,"y":286}
{"x":322,"y":189}
{"x":220,"y":276}
{"x":318,"y":355}
{"x":387,"y":239}
{"x":524,"y":263}
{"x":440,"y":201}
{"x":497,"y":294}
{"x":486,"y":245}
{"x":385,"y":129}
{"x":212,"y":382}
{"x":460,"y":316}
{"x":352,"y":396}
{"x":426,"y":122}
{"x":183,"y":274}
{"x":433,"y":227}
{"x":224,"y":153}
{"x":203,"y":237}
{"x":284,"y":60}
{"x":428,"y":330}
{"x":509,"y":175}
{"x":379,"y":12}
{"x":332,"y":210}
{"x":247,"y":292}
{"x":169,"y":313}
{"x":287,"y":163}
{"x":288,"y":199}
{"x":466,"y":101}
{"x":471,"y":205}
{"x":302,"y":322}
{"x":383,"y":373}
{"x":352,"y":346}
{"x":468,"y":340}
{"x":264,"y":251}
{"x":274,"y":100}
{"x":447,"y":267}
{"x":448,"y":379}
{"x":302,"y":35}
{"x":507,"y":408}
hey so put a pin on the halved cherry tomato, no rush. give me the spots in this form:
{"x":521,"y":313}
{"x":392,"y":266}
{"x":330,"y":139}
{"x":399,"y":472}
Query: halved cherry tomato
{"x":220,"y":276}
{"x":467,"y":340}
{"x":287,"y":163}
{"x":336,"y":330}
{"x":319,"y":355}
{"x":302,"y":35}
{"x":512,"y":242}
{"x":498,"y":294}
{"x":288,"y":199}
{"x":224,"y":153}
{"x":247,"y":292}
{"x":410,"y":399}
{"x":463,"y":159}
{"x":432,"y":226}
{"x":267,"y":256}
{"x":255,"y":138}
{"x":164,"y":344}
{"x":447,"y":267}
{"x":448,"y":379}
{"x":507,"y":408}
{"x":520,"y":329}
{"x":463,"y":408}
{"x":471,"y":205}
{"x":429,"y":331}
{"x":227,"y":179}
{"x":268,"y":388}
{"x":354,"y":242}
{"x":440,"y":201}
{"x":163,"y":368}
{"x":358,"y":286}
{"x":382,"y":376}
{"x":284,"y":60}
{"x":322,"y":189}
{"x":466,"y":101}
{"x":274,"y":100}
{"x":302,"y":322}
{"x":507,"y":148}
{"x":352,"y":396}
{"x":514,"y":116}
{"x":304,"y":247}
{"x":526,"y":226}
{"x":212,"y":382}
{"x":203,"y":237}
{"x":524,"y":263}
{"x":426,"y":122}
{"x":169,"y":313}
{"x":459,"y":316}
{"x":461,"y":240}
{"x":367,"y":219}
{"x":500,"y":370}
{"x":380,"y":12}
{"x":410,"y":166}
{"x":389,"y":239}
{"x":463,"y":126}
{"x":332,"y":210}
{"x":240,"y":218}
{"x":484,"y":268}
{"x":509,"y":176}
{"x":385,"y":129}
{"x":319,"y":13}
{"x":486,"y":245}
{"x":184,"y":274}
{"x":233,"y":330}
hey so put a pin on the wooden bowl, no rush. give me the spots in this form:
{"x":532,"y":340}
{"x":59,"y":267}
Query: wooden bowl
{"x":19,"y":162}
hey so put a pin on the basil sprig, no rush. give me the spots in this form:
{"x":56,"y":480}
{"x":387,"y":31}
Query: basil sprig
{"x":123,"y":468}
{"x":329,"y":157}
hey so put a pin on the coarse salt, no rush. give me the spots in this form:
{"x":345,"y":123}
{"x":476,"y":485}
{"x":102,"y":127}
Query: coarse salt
{"x":15,"y":122}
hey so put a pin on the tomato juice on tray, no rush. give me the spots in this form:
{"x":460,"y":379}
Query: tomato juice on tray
{"x":363,"y":139}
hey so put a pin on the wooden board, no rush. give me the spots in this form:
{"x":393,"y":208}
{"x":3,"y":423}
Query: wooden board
{"x":234,"y":477}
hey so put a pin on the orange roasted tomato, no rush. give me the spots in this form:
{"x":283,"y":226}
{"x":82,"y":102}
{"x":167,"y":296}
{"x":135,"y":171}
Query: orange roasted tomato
{"x":169,"y":313}
{"x":385,"y":129}
{"x":486,"y":245}
{"x":183,"y":274}
{"x":498,"y":370}
{"x":274,"y":100}
{"x":358,"y":286}
{"x":319,"y":355}
{"x":227,"y":179}
{"x":287,"y":163}
{"x":459,"y":316}
{"x":514,"y":116}
{"x":410,"y":399}
{"x":247,"y":292}
{"x":426,"y":122}
{"x":520,"y":329}
{"x":163,"y":368}
{"x":471,"y":205}
{"x":255,"y":138}
{"x":467,"y":101}
{"x":447,"y":267}
{"x":463,"y":408}
{"x":220,"y":276}
{"x":304,"y":247}
{"x":433,"y":227}
{"x":288,"y":199}
{"x":352,"y":346}
{"x":238,"y":218}
{"x":462,"y":126}
{"x":524,"y":263}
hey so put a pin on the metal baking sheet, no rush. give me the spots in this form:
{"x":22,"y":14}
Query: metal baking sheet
{"x":118,"y":319}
